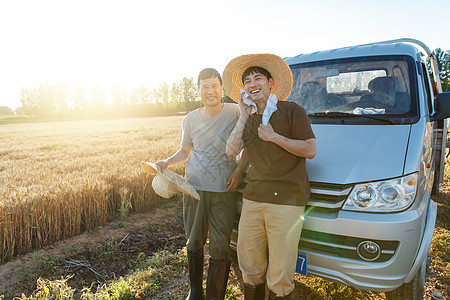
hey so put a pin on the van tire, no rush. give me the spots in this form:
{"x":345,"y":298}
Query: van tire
{"x":414,"y":289}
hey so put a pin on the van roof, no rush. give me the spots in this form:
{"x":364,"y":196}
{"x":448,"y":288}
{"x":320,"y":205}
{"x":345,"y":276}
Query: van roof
{"x":356,"y":51}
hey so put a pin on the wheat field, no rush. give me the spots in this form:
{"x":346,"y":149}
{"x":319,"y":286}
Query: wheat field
{"x":58,"y":179}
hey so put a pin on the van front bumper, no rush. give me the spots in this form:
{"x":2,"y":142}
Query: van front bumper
{"x":404,"y":238}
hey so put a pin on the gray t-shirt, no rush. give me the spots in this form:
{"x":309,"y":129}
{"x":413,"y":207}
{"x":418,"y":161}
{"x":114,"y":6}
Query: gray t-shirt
{"x":208,"y":166}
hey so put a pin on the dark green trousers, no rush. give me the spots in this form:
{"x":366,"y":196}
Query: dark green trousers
{"x":213,"y":213}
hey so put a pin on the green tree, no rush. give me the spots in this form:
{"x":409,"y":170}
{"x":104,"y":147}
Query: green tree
{"x":5,"y":110}
{"x":140,"y":95}
{"x":163,"y":93}
{"x":175,"y":93}
{"x":80,"y":98}
{"x":116,"y":96}
{"x":38,"y":101}
{"x":443,"y":62}
{"x":29,"y":101}
{"x":46,"y":95}
{"x":61,"y":99}
{"x":226,"y":98}
{"x":189,"y":92}
{"x":98,"y":104}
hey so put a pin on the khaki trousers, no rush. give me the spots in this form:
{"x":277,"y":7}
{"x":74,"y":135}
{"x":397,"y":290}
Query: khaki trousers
{"x":214,"y":212}
{"x":268,"y":244}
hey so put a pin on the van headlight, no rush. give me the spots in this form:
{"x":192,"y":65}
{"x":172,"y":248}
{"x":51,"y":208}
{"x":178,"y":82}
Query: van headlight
{"x":383,"y":196}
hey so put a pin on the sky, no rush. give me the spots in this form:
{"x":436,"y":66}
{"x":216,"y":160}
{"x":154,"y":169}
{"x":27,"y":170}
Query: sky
{"x":145,"y":42}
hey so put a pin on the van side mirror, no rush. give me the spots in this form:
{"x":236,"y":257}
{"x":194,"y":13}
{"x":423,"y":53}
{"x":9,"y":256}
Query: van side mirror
{"x":442,"y":107}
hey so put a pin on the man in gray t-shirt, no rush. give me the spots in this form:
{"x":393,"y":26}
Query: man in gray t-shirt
{"x":208,"y":167}
{"x":215,"y":176}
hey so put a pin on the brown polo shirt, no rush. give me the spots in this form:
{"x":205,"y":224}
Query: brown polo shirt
{"x":276,"y":175}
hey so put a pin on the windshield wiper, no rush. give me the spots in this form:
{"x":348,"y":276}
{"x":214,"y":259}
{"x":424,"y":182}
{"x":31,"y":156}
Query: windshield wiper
{"x":338,"y":114}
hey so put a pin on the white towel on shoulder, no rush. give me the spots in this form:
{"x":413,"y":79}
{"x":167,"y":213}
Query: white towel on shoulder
{"x":271,"y":106}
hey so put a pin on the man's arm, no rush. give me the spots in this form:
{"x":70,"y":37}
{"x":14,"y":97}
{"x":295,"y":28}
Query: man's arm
{"x":235,"y":143}
{"x":236,"y":177}
{"x":180,"y":156}
{"x":300,"y":148}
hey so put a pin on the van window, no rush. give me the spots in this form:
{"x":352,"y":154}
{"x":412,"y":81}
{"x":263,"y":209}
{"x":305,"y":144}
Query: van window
{"x":381,"y":86}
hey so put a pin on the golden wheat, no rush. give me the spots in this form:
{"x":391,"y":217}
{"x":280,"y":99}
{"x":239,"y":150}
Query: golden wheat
{"x":59,"y":179}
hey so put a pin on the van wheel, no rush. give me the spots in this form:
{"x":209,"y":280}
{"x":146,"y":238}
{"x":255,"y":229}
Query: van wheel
{"x":414,"y":289}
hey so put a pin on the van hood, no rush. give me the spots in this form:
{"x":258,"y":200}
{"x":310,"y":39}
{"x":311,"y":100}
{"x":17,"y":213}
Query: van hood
{"x":358,"y":153}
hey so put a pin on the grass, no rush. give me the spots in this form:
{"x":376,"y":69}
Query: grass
{"x":148,"y":279}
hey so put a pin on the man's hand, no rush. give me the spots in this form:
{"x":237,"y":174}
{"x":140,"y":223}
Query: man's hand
{"x":245,"y":109}
{"x":234,"y":180}
{"x":162,"y":164}
{"x":266,"y":133}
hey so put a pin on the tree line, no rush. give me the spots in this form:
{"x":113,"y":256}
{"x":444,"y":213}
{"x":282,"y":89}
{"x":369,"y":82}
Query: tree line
{"x":55,"y":100}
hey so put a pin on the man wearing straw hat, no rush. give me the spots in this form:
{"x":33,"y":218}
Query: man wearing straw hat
{"x":214,"y":175}
{"x":278,"y":138}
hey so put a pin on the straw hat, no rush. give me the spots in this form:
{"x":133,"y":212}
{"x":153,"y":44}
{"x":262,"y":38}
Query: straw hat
{"x":168,"y":183}
{"x":277,"y":67}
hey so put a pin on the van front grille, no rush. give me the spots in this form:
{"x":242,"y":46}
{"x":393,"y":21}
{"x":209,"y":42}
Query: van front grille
{"x":328,"y":195}
{"x":341,"y":246}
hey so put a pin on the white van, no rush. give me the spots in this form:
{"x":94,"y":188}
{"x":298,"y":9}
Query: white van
{"x":381,"y":135}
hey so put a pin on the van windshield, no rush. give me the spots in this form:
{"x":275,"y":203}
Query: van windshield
{"x":356,"y":88}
